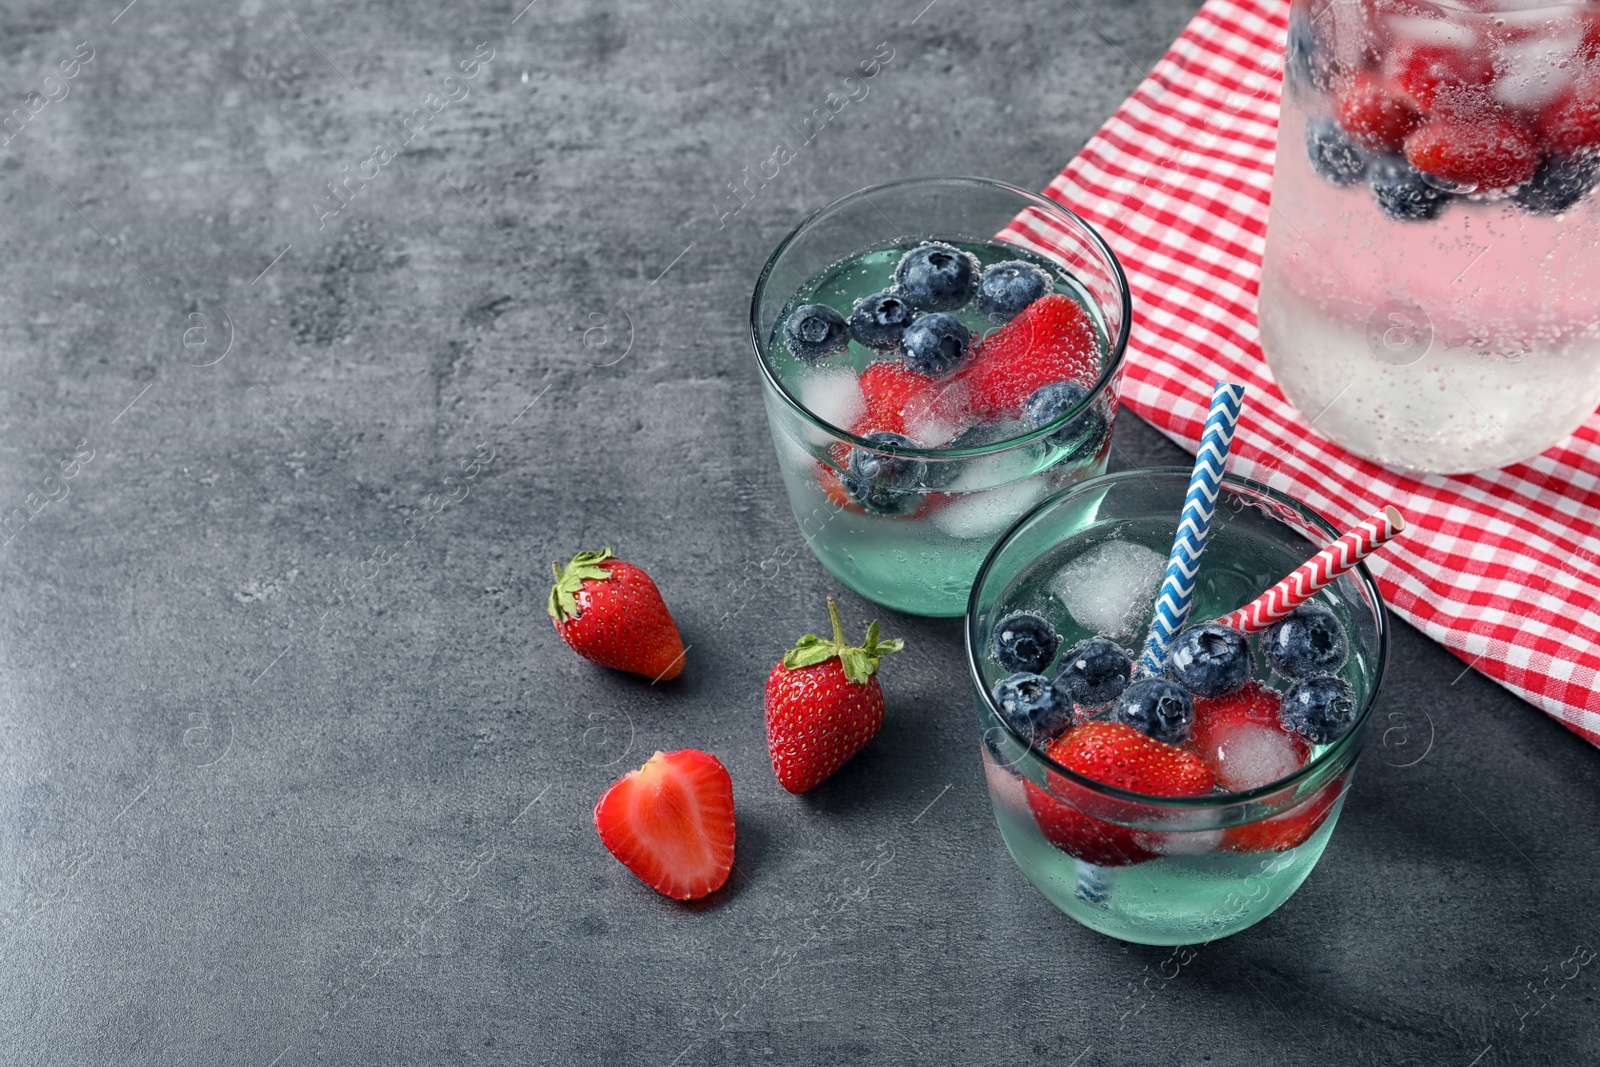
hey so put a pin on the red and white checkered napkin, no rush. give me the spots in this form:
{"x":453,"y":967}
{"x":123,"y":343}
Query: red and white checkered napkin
{"x":1502,"y":567}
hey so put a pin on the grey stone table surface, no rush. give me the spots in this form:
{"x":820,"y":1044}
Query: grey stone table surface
{"x":293,"y":769}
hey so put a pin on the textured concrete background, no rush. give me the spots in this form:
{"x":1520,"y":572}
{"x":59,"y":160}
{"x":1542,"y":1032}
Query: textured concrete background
{"x":284,"y":780}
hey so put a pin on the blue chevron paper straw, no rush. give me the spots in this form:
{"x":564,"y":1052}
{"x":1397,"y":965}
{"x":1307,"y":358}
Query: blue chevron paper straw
{"x":1194,"y":526}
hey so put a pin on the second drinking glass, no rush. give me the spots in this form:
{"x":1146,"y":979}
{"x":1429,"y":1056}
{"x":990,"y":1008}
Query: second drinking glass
{"x":937,"y":355}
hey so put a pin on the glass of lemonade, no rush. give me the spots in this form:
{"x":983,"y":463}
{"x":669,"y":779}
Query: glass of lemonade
{"x":1171,"y":869}
{"x":1433,"y":253}
{"x":937,"y":356}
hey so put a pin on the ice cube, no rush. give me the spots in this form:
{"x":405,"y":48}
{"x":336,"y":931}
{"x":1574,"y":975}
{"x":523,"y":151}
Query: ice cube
{"x":1109,"y":587}
{"x":931,"y":427}
{"x":1443,"y":32}
{"x":1536,"y":71}
{"x":832,"y":394}
{"x":1188,"y":843}
{"x":1248,"y":755}
{"x":994,"y":470}
{"x":987,"y":514}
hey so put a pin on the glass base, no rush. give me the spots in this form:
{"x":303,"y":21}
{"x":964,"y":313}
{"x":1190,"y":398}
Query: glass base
{"x":1176,"y":900}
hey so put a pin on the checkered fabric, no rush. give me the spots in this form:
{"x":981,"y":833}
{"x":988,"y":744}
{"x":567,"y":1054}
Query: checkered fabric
{"x":1500,"y":566}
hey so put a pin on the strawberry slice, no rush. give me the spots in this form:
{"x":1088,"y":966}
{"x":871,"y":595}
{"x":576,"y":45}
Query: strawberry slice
{"x":1052,"y":340}
{"x":1240,"y":737}
{"x":671,"y":823}
{"x":1120,"y":756}
{"x":1288,"y":829}
{"x":1475,"y":150}
{"x":1374,"y":113}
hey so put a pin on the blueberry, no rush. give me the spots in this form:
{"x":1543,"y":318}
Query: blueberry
{"x":884,"y":484}
{"x":1401,"y":191}
{"x":1309,"y":640}
{"x":815,"y":332}
{"x":935,"y":343}
{"x":1094,"y":672}
{"x":1333,"y":155}
{"x":1210,"y":660}
{"x":1006,"y":288}
{"x":1559,"y":183}
{"x":937,"y":277}
{"x":1083,"y":435}
{"x":880,"y":320}
{"x":1024,"y":642}
{"x":1321,"y":708}
{"x":1158,"y":707}
{"x":1030,"y":705}
{"x":1309,"y":63}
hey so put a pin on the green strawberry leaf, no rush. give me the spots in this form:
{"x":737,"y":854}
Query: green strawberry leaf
{"x":585,"y":567}
{"x":809,"y":651}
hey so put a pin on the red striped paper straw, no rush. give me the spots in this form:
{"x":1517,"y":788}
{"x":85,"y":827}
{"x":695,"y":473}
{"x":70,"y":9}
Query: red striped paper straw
{"x":1315,"y":573}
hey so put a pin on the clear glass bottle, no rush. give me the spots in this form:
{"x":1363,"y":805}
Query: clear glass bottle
{"x":1431,"y":293}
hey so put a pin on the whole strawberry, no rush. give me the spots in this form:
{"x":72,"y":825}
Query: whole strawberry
{"x":824,"y":704}
{"x":611,"y":613}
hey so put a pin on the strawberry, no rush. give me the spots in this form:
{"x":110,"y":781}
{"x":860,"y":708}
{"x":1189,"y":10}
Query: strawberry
{"x":1052,"y":340}
{"x":1240,"y":737}
{"x":1287,"y":829}
{"x":611,"y":613}
{"x":671,"y":823}
{"x":1489,"y":150}
{"x":1589,"y":50}
{"x":892,"y":391}
{"x":1373,"y":113}
{"x":1570,"y":124}
{"x":824,"y":704}
{"x":1423,"y":71}
{"x":1120,"y":756}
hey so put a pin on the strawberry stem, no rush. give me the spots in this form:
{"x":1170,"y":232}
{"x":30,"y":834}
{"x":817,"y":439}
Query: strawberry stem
{"x":859,"y":662}
{"x":838,"y":625}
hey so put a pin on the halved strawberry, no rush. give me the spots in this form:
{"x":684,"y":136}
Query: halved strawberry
{"x":1373,"y":112}
{"x":1120,"y":756}
{"x":1288,"y":829}
{"x":1480,"y":150}
{"x":671,"y":823}
{"x":1240,"y":737}
{"x":1052,"y":340}
{"x":892,"y":391}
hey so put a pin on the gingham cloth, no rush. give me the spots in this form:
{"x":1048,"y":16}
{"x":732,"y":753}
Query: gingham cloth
{"x":1501,"y":567}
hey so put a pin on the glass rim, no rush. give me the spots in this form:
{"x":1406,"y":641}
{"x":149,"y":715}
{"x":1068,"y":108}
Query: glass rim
{"x":1211,"y":800}
{"x":1108,"y":375}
